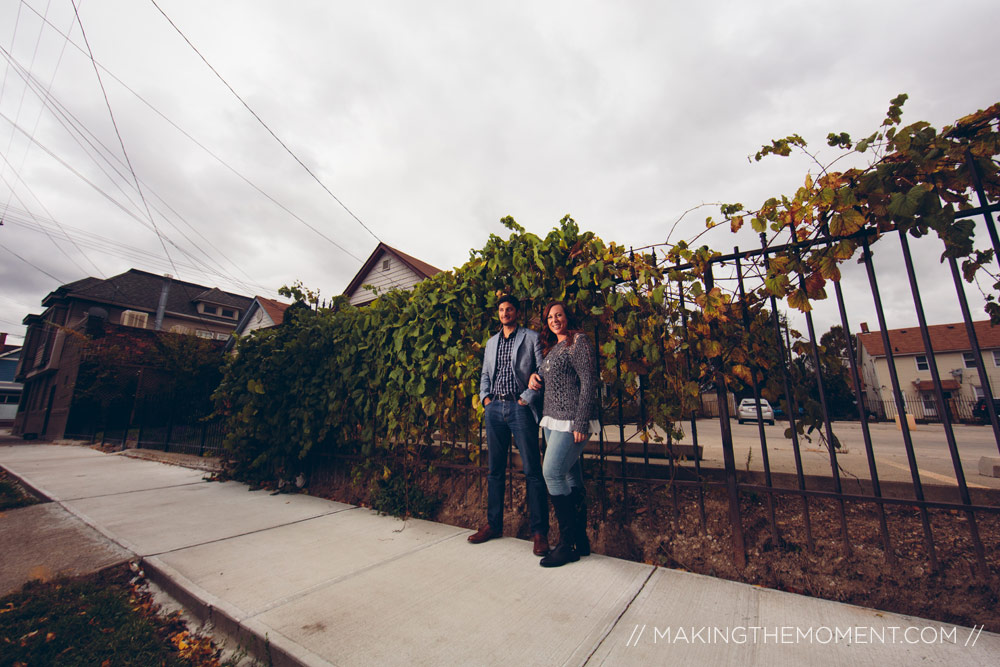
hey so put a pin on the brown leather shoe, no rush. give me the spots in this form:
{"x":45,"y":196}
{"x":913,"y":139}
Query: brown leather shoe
{"x":485,"y":533}
{"x":541,"y":545}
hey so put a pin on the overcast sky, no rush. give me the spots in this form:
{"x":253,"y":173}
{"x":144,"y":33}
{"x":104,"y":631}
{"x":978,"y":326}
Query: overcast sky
{"x":432,"y":120}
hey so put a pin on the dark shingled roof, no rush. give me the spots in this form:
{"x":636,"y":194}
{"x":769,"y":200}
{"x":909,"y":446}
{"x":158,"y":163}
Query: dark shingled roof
{"x":140,"y":290}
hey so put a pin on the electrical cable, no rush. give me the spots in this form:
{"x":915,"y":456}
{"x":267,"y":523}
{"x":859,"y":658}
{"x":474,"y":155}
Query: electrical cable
{"x":265,"y":126}
{"x":108,"y":246}
{"x":121,"y":141}
{"x":72,"y":125}
{"x":111,"y":199}
{"x":50,"y":237}
{"x":203,"y":147}
{"x":37,"y":268}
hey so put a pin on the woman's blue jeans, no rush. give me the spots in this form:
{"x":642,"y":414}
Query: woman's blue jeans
{"x":561,"y":467}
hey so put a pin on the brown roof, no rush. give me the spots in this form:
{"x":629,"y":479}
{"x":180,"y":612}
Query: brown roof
{"x":274,"y":309}
{"x":419,"y":267}
{"x":944,"y":338}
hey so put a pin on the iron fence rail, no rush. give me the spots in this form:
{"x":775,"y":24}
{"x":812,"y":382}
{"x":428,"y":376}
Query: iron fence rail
{"x":615,"y":464}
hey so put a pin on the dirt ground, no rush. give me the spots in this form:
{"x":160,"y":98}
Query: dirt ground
{"x":659,"y":532}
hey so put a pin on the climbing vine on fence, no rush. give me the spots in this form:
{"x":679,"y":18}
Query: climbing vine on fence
{"x":389,"y":375}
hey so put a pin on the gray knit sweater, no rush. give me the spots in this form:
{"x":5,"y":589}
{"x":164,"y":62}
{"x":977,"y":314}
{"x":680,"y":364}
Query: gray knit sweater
{"x":570,"y":382}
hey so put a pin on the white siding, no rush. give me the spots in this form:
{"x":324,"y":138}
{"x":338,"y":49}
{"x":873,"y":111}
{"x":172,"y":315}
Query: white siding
{"x":398,"y":276}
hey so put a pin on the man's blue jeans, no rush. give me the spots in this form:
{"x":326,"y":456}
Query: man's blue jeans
{"x":506,"y":420}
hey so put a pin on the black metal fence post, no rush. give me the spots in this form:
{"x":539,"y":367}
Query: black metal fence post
{"x":897,"y":394}
{"x":729,"y":458}
{"x":772,"y":521}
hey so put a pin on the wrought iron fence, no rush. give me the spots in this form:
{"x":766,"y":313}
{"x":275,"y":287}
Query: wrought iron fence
{"x":625,"y":455}
{"x":934,"y":404}
{"x":148,"y":422}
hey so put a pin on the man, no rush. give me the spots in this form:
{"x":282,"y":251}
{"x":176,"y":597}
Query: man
{"x":512,"y":355}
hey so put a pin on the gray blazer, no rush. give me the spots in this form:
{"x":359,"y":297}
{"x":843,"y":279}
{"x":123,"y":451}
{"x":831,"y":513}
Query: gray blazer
{"x":526,"y":356}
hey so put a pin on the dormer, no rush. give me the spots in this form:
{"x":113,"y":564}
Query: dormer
{"x":214,"y":302}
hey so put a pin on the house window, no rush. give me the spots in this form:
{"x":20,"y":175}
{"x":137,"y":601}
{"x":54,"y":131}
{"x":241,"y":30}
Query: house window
{"x":229,"y":312}
{"x":209,"y":310}
{"x":201,"y":333}
{"x":133,"y":318}
{"x":385,"y":265}
{"x":221,"y":336}
{"x":978,"y":391}
{"x":970,"y":359}
{"x":922,"y":364}
{"x":996,"y":358}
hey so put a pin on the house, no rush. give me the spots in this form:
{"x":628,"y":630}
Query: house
{"x":387,"y":269}
{"x":10,"y":391}
{"x":956,"y":365}
{"x":135,"y":299}
{"x":263,"y":313}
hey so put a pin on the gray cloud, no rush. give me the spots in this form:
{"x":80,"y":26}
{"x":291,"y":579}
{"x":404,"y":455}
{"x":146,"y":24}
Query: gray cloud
{"x":433,"y":120}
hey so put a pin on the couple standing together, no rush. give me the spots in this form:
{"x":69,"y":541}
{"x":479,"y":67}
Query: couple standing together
{"x":520,"y":367}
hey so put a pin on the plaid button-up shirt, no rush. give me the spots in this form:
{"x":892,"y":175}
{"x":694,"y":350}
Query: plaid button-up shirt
{"x":505,"y":383}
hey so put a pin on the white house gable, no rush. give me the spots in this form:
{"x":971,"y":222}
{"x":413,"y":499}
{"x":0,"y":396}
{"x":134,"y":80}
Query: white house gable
{"x":387,"y":273}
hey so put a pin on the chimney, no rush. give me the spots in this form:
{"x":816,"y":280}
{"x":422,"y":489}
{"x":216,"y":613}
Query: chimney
{"x":3,"y":341}
{"x":864,"y":327}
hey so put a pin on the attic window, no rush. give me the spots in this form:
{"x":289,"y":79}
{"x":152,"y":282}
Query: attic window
{"x":229,"y":312}
{"x":209,"y":309}
{"x":385,"y":265}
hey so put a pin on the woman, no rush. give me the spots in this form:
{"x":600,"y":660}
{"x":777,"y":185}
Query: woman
{"x":569,"y":416}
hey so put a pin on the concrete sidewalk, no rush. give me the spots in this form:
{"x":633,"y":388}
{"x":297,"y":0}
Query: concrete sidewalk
{"x":328,"y":583}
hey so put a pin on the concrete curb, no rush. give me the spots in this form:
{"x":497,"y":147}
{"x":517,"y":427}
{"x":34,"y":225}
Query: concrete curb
{"x":262,"y":642}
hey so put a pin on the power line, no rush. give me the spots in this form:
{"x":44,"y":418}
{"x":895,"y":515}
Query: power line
{"x":37,"y":268}
{"x":74,"y":127}
{"x":105,"y":245}
{"x":59,"y":247}
{"x":121,"y":141}
{"x":199,"y":144}
{"x":265,"y":126}
{"x":93,"y":185}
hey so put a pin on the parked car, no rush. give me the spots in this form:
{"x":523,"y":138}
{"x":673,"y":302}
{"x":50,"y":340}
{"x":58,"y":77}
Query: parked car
{"x":747,"y":411}
{"x":979,"y":410}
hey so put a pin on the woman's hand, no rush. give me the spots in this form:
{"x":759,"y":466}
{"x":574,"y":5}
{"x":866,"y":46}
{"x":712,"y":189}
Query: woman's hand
{"x":579,"y":437}
{"x":535,"y":382}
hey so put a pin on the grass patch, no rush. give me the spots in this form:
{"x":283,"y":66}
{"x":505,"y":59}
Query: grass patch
{"x":103,"y":619}
{"x":12,"y":495}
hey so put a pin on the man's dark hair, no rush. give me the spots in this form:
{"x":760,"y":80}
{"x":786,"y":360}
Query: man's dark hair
{"x":512,"y":300}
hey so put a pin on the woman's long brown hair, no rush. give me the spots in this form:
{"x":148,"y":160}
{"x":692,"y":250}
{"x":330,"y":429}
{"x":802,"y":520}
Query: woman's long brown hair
{"x":548,"y":338}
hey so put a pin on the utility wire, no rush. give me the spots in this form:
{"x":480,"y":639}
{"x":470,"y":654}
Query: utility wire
{"x":73,"y":126}
{"x":34,"y":55}
{"x":93,"y":185}
{"x":221,"y":161}
{"x":114,"y":123}
{"x":16,"y":218}
{"x":265,"y":126}
{"x":37,"y":268}
{"x":50,"y":237}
